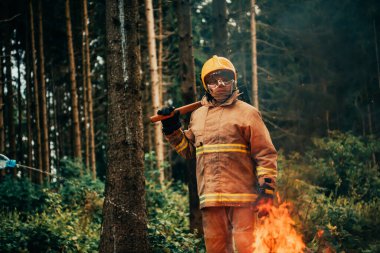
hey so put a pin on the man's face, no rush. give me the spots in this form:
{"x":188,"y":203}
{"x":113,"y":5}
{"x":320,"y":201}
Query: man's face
{"x":220,"y":84}
{"x":221,"y":80}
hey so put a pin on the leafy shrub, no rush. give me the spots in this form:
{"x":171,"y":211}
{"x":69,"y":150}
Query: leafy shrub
{"x":168,"y":213}
{"x":62,"y":217}
{"x":54,"y":230}
{"x":20,"y":194}
{"x":350,"y":226}
{"x":168,"y":210}
{"x":343,"y":165}
{"x":66,"y":216}
{"x":335,"y":191}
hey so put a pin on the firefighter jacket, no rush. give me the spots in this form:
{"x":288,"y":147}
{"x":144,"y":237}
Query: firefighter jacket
{"x":232,"y":147}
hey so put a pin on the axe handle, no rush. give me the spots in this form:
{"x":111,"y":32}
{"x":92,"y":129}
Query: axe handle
{"x":182,"y":110}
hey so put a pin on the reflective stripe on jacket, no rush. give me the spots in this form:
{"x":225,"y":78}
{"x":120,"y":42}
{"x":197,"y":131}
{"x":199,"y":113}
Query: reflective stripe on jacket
{"x":232,"y":147}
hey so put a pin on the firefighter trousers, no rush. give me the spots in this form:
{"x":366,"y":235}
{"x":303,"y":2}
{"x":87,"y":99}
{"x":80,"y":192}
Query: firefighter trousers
{"x":226,"y":228}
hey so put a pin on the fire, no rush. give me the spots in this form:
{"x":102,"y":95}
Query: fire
{"x":276,"y":233}
{"x":320,"y":233}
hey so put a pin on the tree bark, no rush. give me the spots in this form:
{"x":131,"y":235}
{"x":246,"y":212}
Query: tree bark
{"x":20,"y":150}
{"x":377,"y":53}
{"x":36,"y":92}
{"x":28,"y":97}
{"x":2,"y":130}
{"x":85,"y":102}
{"x":89,"y":94}
{"x":10,"y":97}
{"x":158,"y":136}
{"x":255,"y":86}
{"x":58,"y":104}
{"x":124,"y":227}
{"x":219,"y":23}
{"x":74,"y":94}
{"x":242,"y":43}
{"x":160,"y":51}
{"x":327,"y":112}
{"x":188,"y":88}
{"x":44,"y":118}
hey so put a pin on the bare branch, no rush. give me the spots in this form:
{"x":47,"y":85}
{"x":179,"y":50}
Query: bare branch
{"x":272,"y":45}
{"x":10,"y":19}
{"x":285,"y":131}
{"x":266,"y":71}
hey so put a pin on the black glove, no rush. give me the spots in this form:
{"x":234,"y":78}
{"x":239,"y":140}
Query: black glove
{"x":171,"y":124}
{"x":266,"y":189}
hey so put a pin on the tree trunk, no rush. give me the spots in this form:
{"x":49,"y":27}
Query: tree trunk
{"x":242,"y":43}
{"x":160,"y":38}
{"x":85,"y":102}
{"x":28,"y":97}
{"x":147,"y":110}
{"x":10,"y":97}
{"x":158,"y":136}
{"x":54,"y":120}
{"x":327,"y":112}
{"x":36,"y":92}
{"x":20,"y":150}
{"x":370,"y":130}
{"x":219,"y":23}
{"x":89,"y":94}
{"x":255,"y":86}
{"x":167,"y":151}
{"x":44,"y":118}
{"x":58,"y":104}
{"x":188,"y":88}
{"x":74,"y":94}
{"x":377,"y":53}
{"x":2,"y":130}
{"x":124,"y":227}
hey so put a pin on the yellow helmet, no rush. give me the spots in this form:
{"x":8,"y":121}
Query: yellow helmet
{"x":216,"y":63}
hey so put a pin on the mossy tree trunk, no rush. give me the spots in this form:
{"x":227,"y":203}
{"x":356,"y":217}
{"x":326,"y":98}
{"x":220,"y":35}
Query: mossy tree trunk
{"x":124,"y":227}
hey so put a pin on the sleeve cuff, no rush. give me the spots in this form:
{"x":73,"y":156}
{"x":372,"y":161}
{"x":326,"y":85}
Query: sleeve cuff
{"x":270,"y":172}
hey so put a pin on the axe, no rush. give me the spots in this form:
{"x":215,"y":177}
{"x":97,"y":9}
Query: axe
{"x":182,"y":110}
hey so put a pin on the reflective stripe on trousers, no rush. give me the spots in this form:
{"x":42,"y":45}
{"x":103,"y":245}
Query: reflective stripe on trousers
{"x":226,"y":227}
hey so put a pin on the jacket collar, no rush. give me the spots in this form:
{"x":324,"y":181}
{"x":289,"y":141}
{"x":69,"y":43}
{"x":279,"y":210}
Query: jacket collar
{"x":213,"y":103}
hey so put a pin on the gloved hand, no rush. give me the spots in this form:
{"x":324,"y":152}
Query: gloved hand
{"x":171,"y":124}
{"x":266,"y":189}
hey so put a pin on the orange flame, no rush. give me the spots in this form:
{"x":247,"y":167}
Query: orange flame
{"x":320,"y":233}
{"x":276,"y":232}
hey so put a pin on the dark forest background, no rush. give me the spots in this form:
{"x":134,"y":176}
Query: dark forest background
{"x":319,"y":94}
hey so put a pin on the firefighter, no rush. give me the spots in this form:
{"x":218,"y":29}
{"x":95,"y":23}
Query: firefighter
{"x":234,"y":153}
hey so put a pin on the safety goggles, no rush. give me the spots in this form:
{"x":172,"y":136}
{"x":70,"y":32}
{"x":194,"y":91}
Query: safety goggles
{"x":218,"y":78}
{"x":220,"y":83}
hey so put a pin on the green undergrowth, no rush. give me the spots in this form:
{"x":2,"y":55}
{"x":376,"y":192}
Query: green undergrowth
{"x":66,"y":216}
{"x":334,"y":188}
{"x":168,"y":209}
{"x":63,"y":216}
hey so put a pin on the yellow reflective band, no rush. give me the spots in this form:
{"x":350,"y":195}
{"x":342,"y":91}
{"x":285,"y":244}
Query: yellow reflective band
{"x":182,"y":145}
{"x":226,"y":145}
{"x":181,"y":149}
{"x":261,"y":171}
{"x":269,"y":192}
{"x":226,"y":197}
{"x":227,"y":194}
{"x":221,"y":150}
{"x":215,"y":148}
